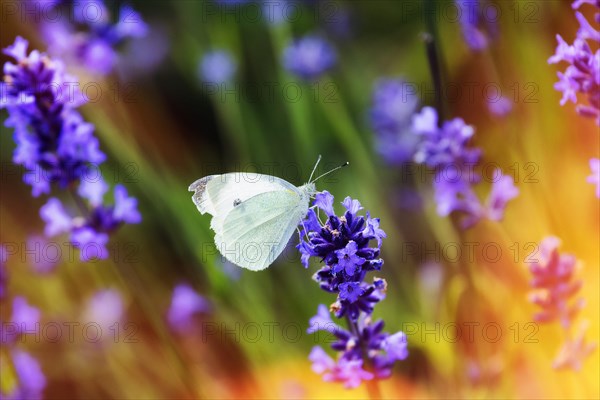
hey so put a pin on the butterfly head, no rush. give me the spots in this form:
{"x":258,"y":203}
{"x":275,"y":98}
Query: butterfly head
{"x":308,"y":189}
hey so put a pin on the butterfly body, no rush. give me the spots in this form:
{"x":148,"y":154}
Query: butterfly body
{"x":253,"y":215}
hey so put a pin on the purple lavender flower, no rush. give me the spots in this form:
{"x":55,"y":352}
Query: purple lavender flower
{"x":477,"y":29}
{"x":553,"y":283}
{"x":443,"y":146}
{"x":184,"y":304}
{"x":92,"y":38}
{"x":446,"y":149}
{"x":43,"y":256}
{"x":322,"y":321}
{"x":343,"y":244}
{"x":503,"y":190}
{"x":309,"y":57}
{"x":457,"y":195}
{"x":390,"y":116}
{"x":56,"y":146}
{"x":582,"y":76}
{"x":594,"y":178}
{"x":105,"y":309}
{"x":217,"y":67}
{"x":24,"y":319}
{"x":142,"y":56}
{"x":31,"y":380}
{"x":500,"y":107}
{"x":90,"y":235}
{"x":349,"y":372}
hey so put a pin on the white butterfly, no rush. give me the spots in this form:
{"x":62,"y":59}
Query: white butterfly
{"x":254,"y":215}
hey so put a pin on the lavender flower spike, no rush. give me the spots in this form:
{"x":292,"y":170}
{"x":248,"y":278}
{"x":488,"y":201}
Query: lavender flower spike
{"x":343,"y":243}
{"x":446,"y":149}
{"x":582,"y":76}
{"x":59,"y":149}
{"x":91,"y":39}
{"x":54,"y":144}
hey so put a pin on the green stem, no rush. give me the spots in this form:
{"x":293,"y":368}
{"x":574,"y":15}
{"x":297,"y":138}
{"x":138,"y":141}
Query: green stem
{"x":435,"y":62}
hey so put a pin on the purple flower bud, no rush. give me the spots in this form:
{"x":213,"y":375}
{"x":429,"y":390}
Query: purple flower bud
{"x":217,"y":67}
{"x":184,"y":305}
{"x":31,"y":379}
{"x":309,"y":57}
{"x":582,"y":75}
{"x":394,"y":102}
{"x":57,"y":219}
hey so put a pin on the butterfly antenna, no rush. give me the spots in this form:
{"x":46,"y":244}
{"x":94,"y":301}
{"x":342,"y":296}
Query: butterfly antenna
{"x":328,"y":172}
{"x":314,"y":168}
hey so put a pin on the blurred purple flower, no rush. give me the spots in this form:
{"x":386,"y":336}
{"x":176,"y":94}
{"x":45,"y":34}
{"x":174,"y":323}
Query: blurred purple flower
{"x":217,"y":67}
{"x":349,"y":372}
{"x":393,"y":105}
{"x":594,"y":178}
{"x":457,"y":195}
{"x":500,"y":107}
{"x":91,"y":38}
{"x":143,"y":55}
{"x":340,"y":24}
{"x":553,"y":284}
{"x":185,"y":303}
{"x":582,"y":76}
{"x":91,"y":234}
{"x":93,"y":190}
{"x":43,"y":256}
{"x":309,"y":57}
{"x":446,"y":149}
{"x":125,"y":208}
{"x":478,"y":28}
{"x":92,"y":244}
{"x":445,"y":145}
{"x":104,"y":308}
{"x":31,"y":380}
{"x":503,"y":190}
{"x":24,"y":319}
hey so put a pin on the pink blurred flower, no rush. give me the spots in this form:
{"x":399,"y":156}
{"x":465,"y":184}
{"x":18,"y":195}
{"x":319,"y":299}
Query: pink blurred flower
{"x":350,"y":372}
{"x":554,"y":284}
{"x":594,"y":178}
{"x":574,"y":350}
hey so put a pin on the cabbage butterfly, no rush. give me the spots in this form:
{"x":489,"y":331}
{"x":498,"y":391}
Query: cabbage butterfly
{"x":254,"y":215}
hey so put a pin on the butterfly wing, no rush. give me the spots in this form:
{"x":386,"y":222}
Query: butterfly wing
{"x":257,"y":230}
{"x":219,"y":194}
